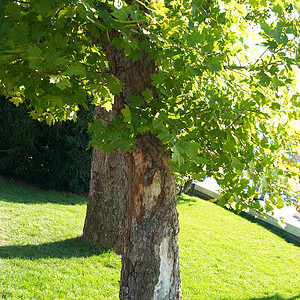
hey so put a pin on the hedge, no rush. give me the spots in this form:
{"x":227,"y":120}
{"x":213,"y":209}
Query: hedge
{"x":53,"y":157}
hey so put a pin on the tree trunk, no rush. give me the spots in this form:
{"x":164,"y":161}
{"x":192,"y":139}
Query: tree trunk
{"x":105,"y":209}
{"x":150,"y":260}
{"x":150,"y":257}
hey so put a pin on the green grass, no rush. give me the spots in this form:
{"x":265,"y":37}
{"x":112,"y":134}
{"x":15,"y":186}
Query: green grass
{"x":43,"y":256}
{"x":223,"y":256}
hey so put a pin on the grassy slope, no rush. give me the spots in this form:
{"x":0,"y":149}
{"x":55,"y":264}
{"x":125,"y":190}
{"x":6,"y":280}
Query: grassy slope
{"x":223,"y":256}
{"x":42,"y":257}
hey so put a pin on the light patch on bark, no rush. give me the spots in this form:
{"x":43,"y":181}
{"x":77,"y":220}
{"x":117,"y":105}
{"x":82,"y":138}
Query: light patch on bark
{"x":164,"y":285}
{"x":152,"y":192}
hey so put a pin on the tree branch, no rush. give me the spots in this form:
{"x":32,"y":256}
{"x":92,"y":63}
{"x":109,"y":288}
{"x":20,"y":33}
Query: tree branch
{"x":21,"y":2}
{"x":247,"y":67}
{"x":261,"y":56}
{"x":36,"y":150}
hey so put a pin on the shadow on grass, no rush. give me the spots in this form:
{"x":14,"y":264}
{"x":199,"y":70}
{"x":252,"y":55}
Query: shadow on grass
{"x":185,"y":199}
{"x":76,"y":247}
{"x":17,"y":193}
{"x":276,"y":297}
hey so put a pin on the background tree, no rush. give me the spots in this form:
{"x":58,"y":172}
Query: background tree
{"x":51,"y":157}
{"x":105,"y":210}
{"x":187,"y":93}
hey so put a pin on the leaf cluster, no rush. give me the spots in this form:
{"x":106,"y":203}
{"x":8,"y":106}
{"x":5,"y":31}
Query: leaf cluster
{"x":225,"y":95}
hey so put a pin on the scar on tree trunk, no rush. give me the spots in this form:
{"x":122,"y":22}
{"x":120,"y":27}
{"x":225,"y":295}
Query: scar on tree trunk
{"x":150,"y":260}
{"x":150,"y":257}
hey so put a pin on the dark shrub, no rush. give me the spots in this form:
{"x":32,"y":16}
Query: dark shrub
{"x":53,"y":157}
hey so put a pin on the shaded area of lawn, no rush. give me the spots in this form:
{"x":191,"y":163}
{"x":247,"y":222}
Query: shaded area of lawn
{"x":281,"y":233}
{"x":183,"y":199}
{"x":43,"y":256}
{"x":18,"y":192}
{"x":75,"y":247}
{"x":225,"y":256}
{"x":276,"y":297}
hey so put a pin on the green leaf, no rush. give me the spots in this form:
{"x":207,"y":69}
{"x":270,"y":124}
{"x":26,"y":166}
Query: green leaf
{"x":34,"y":55}
{"x":76,"y":69}
{"x":147,"y":94}
{"x":264,"y":78}
{"x":105,"y":16}
{"x":275,"y":106}
{"x":215,"y":67}
{"x":63,"y":83}
{"x":12,"y":9}
{"x":158,"y":78}
{"x":68,"y":13}
{"x":107,"y":148}
{"x":114,"y":85}
{"x":41,"y":6}
{"x":136,"y":101}
{"x":235,"y":163}
{"x":118,"y":43}
{"x":16,"y":101}
{"x":223,"y":200}
{"x":126,"y":114}
{"x":133,"y":54}
{"x":33,"y":52}
{"x":54,"y":100}
{"x":177,"y":157}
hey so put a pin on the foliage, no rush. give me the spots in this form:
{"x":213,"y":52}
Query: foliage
{"x":52,"y":157}
{"x":222,"y":104}
{"x":223,"y":256}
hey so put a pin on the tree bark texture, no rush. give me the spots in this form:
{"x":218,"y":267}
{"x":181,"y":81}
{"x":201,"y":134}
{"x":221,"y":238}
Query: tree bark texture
{"x":105,"y":209}
{"x":140,"y":186}
{"x":150,"y":260}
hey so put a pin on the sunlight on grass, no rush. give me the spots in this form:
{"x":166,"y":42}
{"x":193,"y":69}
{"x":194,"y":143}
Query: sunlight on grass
{"x":223,"y":256}
{"x":43,"y":256}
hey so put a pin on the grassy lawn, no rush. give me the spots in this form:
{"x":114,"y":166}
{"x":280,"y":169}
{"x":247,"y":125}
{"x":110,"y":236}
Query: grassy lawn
{"x":223,"y":256}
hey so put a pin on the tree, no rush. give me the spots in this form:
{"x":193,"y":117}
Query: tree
{"x":188,"y":96}
{"x":51,"y":157}
{"x":105,"y":209}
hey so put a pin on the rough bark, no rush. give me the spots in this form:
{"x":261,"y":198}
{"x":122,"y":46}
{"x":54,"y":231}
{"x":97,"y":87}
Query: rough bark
{"x":150,"y":260}
{"x":105,"y":209}
{"x":150,"y":257}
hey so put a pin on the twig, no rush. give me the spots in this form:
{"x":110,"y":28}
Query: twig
{"x":234,"y":67}
{"x":21,"y":2}
{"x":36,"y":150}
{"x":261,"y":56}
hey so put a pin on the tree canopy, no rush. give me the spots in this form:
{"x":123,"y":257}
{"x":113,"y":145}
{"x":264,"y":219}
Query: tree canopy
{"x":225,"y":93}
